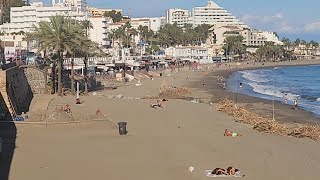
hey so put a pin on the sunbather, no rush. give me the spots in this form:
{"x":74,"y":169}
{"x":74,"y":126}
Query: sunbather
{"x":66,"y":108}
{"x":231,"y":171}
{"x":230,"y":133}
{"x":78,"y":101}
{"x":219,"y":171}
{"x":159,"y":104}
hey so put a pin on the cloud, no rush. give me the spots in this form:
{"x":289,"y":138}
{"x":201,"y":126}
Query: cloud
{"x":276,"y":22}
{"x":312,"y":27}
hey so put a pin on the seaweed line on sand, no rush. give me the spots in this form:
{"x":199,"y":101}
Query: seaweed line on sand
{"x":268,"y":125}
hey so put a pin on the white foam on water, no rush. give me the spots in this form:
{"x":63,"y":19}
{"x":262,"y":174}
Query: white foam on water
{"x":318,"y":99}
{"x":271,"y":91}
{"x":254,"y":76}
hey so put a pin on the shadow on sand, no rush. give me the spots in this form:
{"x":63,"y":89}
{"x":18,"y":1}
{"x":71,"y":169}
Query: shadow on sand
{"x":8,"y":133}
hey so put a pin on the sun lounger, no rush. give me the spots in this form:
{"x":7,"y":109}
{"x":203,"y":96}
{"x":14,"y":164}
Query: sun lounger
{"x":209,"y":174}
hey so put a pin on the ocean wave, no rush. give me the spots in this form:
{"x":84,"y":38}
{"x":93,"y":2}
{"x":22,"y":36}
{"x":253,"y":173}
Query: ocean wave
{"x":272,"y":91}
{"x":310,"y":98}
{"x":277,"y":67}
{"x":254,"y":76}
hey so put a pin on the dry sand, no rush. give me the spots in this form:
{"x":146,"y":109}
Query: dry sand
{"x":161,"y":144}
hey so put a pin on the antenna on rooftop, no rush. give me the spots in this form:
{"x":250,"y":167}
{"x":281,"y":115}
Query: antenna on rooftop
{"x":129,"y":15}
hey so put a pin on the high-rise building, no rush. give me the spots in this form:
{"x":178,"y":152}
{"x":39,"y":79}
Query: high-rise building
{"x":79,"y":4}
{"x":213,"y":14}
{"x":23,"y":18}
{"x":179,"y":16}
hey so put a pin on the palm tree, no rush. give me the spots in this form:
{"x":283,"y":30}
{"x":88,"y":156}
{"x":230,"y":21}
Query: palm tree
{"x":314,"y":46}
{"x":54,"y":36}
{"x":133,"y":33}
{"x":86,"y":25}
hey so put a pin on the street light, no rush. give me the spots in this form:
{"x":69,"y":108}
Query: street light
{"x":273,"y":102}
{"x":239,"y":85}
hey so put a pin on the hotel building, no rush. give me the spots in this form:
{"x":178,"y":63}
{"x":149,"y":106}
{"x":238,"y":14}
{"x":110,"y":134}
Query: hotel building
{"x":213,"y":14}
{"x":23,"y":18}
{"x":179,"y":16}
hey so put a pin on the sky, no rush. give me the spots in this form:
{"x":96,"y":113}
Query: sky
{"x":289,"y":18}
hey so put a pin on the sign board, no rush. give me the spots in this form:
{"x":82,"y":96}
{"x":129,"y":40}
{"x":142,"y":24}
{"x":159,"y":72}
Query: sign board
{"x":30,"y":58}
{"x":9,"y":52}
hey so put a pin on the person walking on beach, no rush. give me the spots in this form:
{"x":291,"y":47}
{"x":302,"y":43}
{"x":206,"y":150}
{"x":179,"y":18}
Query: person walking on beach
{"x":285,"y":98}
{"x":295,"y":102}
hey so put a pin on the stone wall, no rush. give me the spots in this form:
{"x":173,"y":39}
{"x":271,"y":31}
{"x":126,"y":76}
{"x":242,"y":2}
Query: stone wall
{"x":15,"y":90}
{"x":36,"y":79}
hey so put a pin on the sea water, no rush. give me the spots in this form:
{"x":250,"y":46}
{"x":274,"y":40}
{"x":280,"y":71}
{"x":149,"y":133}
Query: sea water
{"x":281,"y":84}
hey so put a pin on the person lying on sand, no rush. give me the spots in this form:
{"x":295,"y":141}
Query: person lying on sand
{"x":78,"y":101}
{"x":219,"y":171}
{"x":230,"y":133}
{"x":159,"y":104}
{"x":231,"y":171}
{"x":66,"y":108}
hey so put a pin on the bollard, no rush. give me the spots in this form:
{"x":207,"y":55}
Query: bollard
{"x":122,"y":128}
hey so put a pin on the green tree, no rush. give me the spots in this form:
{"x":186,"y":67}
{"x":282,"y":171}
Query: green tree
{"x":201,"y":32}
{"x":287,"y":46}
{"x":60,"y":36}
{"x":5,"y":6}
{"x":114,"y":15}
{"x":297,"y":42}
{"x":314,"y":46}
{"x":270,"y":52}
{"x":170,"y":35}
{"x":233,"y":45}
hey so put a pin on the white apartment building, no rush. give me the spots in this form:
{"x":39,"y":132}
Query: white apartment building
{"x":156,"y":23}
{"x":219,"y":33}
{"x":153,"y":24}
{"x":251,"y":37}
{"x":192,"y":52}
{"x":136,"y":22}
{"x":100,"y":12}
{"x":23,"y":18}
{"x":81,"y":5}
{"x":179,"y":16}
{"x":16,"y":41}
{"x":100,"y":30}
{"x":271,"y":37}
{"x":213,"y":14}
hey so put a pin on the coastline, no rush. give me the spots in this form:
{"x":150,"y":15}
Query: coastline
{"x":181,"y":135}
{"x":263,"y":107}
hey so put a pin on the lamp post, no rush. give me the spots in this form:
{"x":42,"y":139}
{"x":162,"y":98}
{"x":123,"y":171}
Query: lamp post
{"x":273,"y":102}
{"x":239,"y":85}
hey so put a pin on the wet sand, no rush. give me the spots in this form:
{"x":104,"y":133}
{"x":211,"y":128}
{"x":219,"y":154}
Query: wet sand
{"x":283,"y":112}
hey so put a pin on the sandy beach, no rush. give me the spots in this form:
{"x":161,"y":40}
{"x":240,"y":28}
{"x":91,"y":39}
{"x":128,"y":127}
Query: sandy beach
{"x":161,"y":143}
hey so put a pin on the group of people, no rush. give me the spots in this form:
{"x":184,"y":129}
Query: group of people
{"x":67,"y":108}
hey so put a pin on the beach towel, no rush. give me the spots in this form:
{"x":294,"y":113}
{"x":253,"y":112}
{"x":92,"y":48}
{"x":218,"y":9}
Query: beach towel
{"x":209,"y":174}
